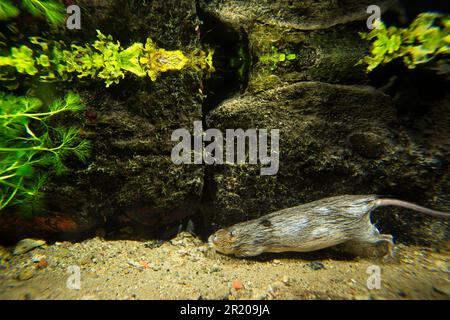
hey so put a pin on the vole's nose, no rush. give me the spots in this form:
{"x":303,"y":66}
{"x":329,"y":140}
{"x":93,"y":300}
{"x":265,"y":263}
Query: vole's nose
{"x":214,"y":238}
{"x":211,"y":240}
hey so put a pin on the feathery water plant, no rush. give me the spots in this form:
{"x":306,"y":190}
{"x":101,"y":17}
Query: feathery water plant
{"x":53,"y":11}
{"x":29,"y":146}
{"x":7,"y":10}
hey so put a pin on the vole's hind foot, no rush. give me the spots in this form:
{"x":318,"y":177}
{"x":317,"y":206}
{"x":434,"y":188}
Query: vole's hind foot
{"x":390,"y":259}
{"x":390,"y":255}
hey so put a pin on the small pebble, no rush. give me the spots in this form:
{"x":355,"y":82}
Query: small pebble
{"x":236,"y":284}
{"x":26,"y":274}
{"x":277,"y":285}
{"x":37,"y":257}
{"x":316,"y":265}
{"x":4,"y":254}
{"x":442,"y":289}
{"x":215,"y":268}
{"x":26,"y":245}
{"x":155,"y":267}
{"x":401,"y":294}
{"x":42,"y":264}
{"x":28,"y":296}
{"x":135,"y":264}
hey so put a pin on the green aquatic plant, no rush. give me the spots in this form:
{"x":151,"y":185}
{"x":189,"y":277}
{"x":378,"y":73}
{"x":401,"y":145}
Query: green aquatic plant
{"x":274,"y":58}
{"x":7,"y":10}
{"x":22,"y":58}
{"x":30,"y":145}
{"x":105,"y":59}
{"x":241,"y":62}
{"x":53,"y":11}
{"x":426,"y":40}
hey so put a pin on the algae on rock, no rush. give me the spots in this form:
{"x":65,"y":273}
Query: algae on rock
{"x":337,"y":135}
{"x":130,"y":178}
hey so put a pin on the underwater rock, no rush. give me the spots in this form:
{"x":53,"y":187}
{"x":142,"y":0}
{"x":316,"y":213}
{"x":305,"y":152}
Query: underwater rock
{"x":444,"y":289}
{"x":26,"y":245}
{"x":26,"y":274}
{"x":4,"y":254}
{"x":366,"y":144}
{"x":330,"y":56}
{"x":302,"y":15}
{"x":129,"y":177}
{"x":338,"y":136}
{"x":315,"y":120}
{"x":293,"y":41}
{"x":315,"y":265}
{"x":366,"y":250}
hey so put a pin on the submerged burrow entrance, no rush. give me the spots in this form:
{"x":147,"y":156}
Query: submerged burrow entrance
{"x":232,"y":62}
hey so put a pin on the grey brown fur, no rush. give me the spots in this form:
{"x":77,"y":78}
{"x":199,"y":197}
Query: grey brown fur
{"x":311,"y":226}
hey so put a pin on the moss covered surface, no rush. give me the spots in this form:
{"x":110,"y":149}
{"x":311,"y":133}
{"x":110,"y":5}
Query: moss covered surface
{"x":334,"y":139}
{"x":337,"y":137}
{"x":318,"y":56}
{"x":130,"y":176}
{"x":302,"y":15}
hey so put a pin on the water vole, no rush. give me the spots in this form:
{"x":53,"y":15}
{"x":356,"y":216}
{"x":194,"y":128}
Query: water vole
{"x":311,"y":226}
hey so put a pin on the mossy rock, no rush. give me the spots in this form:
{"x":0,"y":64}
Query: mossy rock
{"x":334,"y":140}
{"x":337,"y":136}
{"x":300,"y":15}
{"x":318,"y":56}
{"x":134,"y":120}
{"x":129,"y":175}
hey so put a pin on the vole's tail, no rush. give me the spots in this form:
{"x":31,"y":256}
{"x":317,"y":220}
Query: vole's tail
{"x":408,"y":205}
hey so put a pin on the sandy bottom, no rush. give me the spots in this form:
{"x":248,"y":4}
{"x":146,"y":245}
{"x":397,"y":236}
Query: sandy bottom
{"x":185,"y":268}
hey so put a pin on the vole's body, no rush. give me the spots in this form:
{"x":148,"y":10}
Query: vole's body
{"x":309,"y":227}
